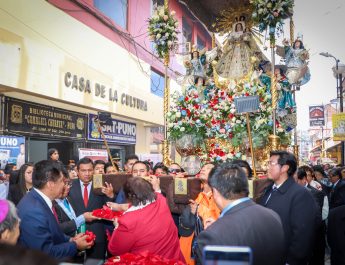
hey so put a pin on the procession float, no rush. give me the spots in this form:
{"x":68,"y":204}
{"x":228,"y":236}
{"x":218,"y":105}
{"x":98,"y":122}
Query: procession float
{"x":235,"y":102}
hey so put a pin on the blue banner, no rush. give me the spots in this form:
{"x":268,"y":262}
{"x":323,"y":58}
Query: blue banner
{"x":120,"y":132}
{"x":12,"y":150}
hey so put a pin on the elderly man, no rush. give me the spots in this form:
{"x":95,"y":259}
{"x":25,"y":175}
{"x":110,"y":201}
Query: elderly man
{"x":242,"y":222}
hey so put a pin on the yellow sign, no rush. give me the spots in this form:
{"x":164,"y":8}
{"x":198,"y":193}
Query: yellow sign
{"x":338,"y":125}
{"x":180,"y":186}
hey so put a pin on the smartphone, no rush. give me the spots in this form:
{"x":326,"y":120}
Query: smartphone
{"x":226,"y":255}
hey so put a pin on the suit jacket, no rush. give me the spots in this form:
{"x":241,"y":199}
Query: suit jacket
{"x":247,"y":224}
{"x":336,"y":235}
{"x":337,"y":195}
{"x":98,"y":226}
{"x":148,"y":229}
{"x":299,"y":215}
{"x":67,"y":225}
{"x":40,"y":230}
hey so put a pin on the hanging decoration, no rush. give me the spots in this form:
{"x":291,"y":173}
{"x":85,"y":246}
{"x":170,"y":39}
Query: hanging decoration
{"x":163,"y":30}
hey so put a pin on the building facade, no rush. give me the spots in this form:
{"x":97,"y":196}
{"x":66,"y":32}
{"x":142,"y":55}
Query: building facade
{"x":64,"y":61}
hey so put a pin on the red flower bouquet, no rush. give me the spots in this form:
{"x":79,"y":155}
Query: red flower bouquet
{"x":106,"y":213}
{"x":143,"y":258}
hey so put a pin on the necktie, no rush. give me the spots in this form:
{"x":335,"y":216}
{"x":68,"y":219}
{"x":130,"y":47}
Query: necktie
{"x":86,"y":195}
{"x":55,"y":214}
{"x":274,"y":189}
{"x":66,"y":203}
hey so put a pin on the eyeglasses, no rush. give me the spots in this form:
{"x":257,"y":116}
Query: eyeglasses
{"x":174,"y":170}
{"x":272,"y":163}
{"x":68,"y":184}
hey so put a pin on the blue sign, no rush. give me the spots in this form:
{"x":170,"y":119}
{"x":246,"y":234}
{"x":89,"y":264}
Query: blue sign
{"x":120,"y":132}
{"x":12,"y":150}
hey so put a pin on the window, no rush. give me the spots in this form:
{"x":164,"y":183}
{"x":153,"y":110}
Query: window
{"x":156,"y":3}
{"x":114,"y":9}
{"x":200,"y":43}
{"x":157,"y":83}
{"x":186,"y":35}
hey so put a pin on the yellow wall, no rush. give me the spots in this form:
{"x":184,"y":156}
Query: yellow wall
{"x":39,"y":44}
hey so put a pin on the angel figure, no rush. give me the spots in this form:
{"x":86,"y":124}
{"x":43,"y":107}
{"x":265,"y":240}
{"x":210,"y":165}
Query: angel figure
{"x":195,"y":64}
{"x":239,"y":49}
{"x":285,"y":99}
{"x":296,"y":60}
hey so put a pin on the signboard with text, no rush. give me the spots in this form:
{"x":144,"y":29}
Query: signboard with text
{"x":34,"y":119}
{"x":316,"y":115}
{"x":93,"y":154}
{"x":338,"y":125}
{"x":12,"y":150}
{"x":119,"y":132}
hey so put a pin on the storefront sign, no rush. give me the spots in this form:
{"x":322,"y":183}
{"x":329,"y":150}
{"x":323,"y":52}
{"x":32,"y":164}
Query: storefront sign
{"x":316,"y":115}
{"x":12,"y":150}
{"x":85,"y":85}
{"x":93,"y":154}
{"x":338,"y":125}
{"x":35,"y":119}
{"x":119,"y":132}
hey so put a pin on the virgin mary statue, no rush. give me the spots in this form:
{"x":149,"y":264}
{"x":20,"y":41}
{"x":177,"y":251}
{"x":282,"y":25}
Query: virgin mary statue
{"x":240,"y":47}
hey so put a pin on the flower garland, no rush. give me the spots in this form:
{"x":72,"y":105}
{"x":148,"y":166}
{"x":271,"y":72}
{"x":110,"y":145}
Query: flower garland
{"x":270,"y":13}
{"x":163,"y":30}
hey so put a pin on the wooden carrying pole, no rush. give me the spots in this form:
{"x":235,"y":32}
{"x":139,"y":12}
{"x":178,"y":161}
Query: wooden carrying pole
{"x":105,"y":142}
{"x":251,"y":145}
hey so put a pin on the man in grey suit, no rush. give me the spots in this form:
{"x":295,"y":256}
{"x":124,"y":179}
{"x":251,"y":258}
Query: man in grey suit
{"x":242,"y":222}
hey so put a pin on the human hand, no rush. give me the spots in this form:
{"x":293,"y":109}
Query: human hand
{"x":118,"y":207}
{"x":81,"y":242}
{"x":155,"y":183}
{"x":116,"y":223}
{"x":209,"y":221}
{"x":193,"y":206}
{"x":108,"y":190}
{"x":89,"y":217}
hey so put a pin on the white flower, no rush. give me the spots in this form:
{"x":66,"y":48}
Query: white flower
{"x":173,"y":13}
{"x":158,"y":36}
{"x":167,"y":34}
{"x":238,"y":121}
{"x":161,"y":12}
{"x":170,"y":43}
{"x":182,"y":129}
{"x":178,"y":114}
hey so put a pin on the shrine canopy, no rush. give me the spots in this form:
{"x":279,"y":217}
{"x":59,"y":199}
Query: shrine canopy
{"x":207,"y":11}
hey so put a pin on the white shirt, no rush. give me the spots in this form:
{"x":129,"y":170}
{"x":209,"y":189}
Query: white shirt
{"x":88,"y":188}
{"x":46,"y":199}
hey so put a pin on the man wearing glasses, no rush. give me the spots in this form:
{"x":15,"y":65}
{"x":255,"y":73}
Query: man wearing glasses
{"x":68,"y":221}
{"x":294,"y":204}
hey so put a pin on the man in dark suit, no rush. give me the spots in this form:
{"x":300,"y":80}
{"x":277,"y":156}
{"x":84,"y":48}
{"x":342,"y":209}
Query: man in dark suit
{"x":39,"y":228}
{"x":336,"y":235}
{"x":294,"y":204}
{"x":68,"y":221}
{"x":337,"y":192}
{"x":319,"y":244}
{"x":84,"y":200}
{"x":242,"y":222}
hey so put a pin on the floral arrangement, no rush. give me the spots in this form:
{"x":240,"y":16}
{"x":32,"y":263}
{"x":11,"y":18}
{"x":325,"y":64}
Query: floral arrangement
{"x":106,"y":213}
{"x":188,"y":115}
{"x":211,"y":114}
{"x":144,"y":258}
{"x":163,"y":30}
{"x":270,"y":13}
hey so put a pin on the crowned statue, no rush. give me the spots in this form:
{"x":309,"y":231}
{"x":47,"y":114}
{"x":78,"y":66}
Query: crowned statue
{"x":296,"y":59}
{"x":238,"y":52}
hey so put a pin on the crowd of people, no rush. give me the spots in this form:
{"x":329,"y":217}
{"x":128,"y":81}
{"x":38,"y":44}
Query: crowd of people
{"x":48,"y":207}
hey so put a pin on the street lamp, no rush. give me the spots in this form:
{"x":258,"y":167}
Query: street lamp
{"x":338,"y":72}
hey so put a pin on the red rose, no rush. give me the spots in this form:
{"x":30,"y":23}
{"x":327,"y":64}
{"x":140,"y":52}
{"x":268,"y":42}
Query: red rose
{"x":91,"y":237}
